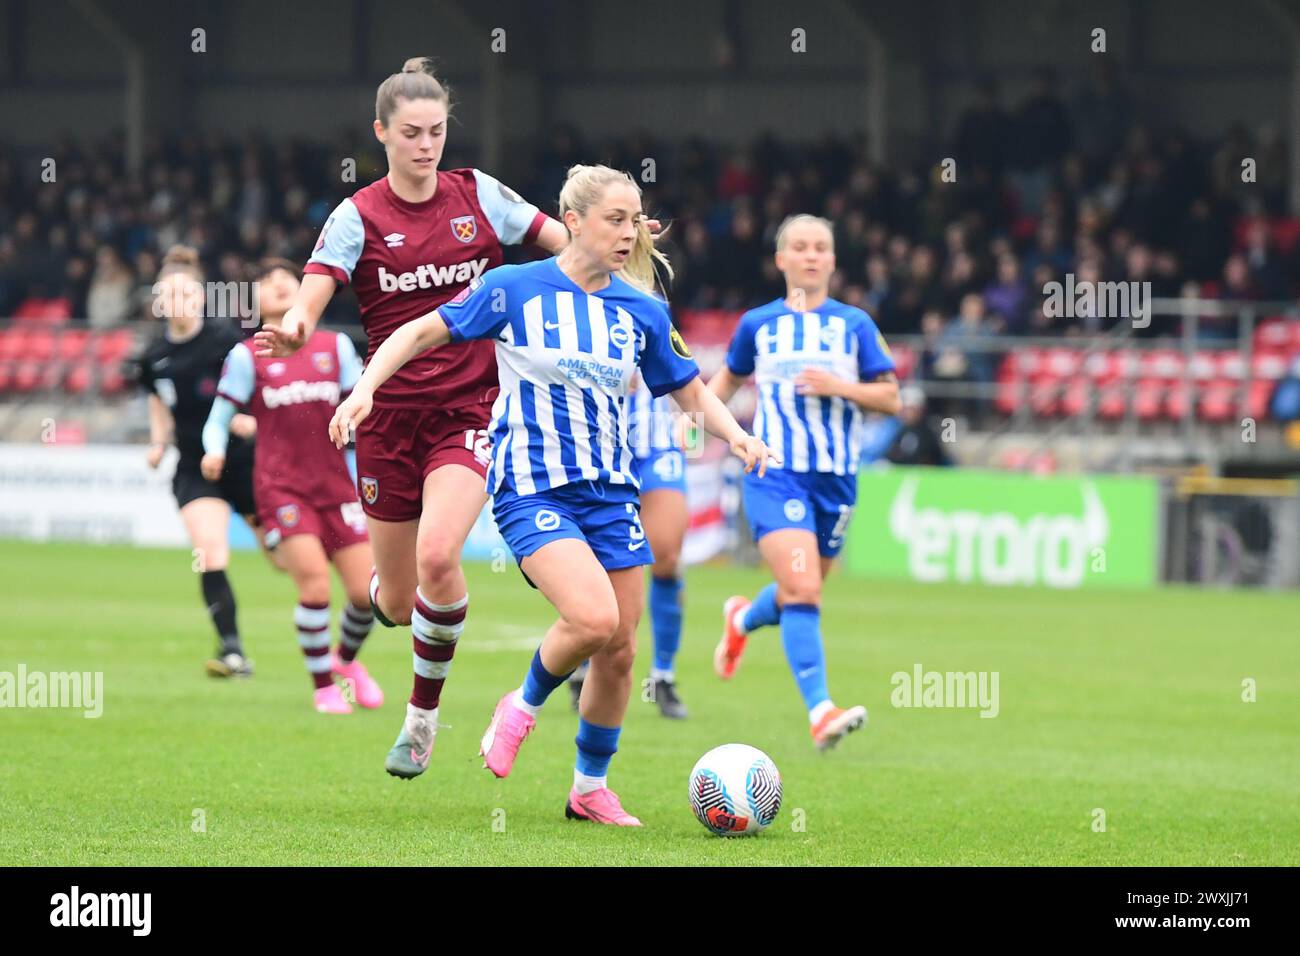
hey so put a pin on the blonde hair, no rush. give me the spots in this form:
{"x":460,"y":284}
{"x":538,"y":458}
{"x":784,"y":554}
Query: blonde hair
{"x":799,"y":220}
{"x":583,"y":188}
{"x":418,"y":80}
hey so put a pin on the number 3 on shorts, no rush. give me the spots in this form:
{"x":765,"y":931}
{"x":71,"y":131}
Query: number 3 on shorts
{"x":476,"y":440}
{"x":635,"y":532}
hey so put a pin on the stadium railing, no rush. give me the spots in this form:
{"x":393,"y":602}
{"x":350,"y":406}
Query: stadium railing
{"x":1107,"y":394}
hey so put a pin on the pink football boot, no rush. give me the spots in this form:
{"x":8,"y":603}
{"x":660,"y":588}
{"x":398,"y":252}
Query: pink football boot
{"x":365,"y":691}
{"x":329,"y":700}
{"x":501,"y":740}
{"x":601,"y":806}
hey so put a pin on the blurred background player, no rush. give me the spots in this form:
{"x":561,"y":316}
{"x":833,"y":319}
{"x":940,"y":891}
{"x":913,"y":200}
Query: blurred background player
{"x":819,"y":365}
{"x":409,"y":242}
{"x":306,"y":499}
{"x":180,"y":370}
{"x":914,"y":440}
{"x":661,"y":468}
{"x":571,"y":331}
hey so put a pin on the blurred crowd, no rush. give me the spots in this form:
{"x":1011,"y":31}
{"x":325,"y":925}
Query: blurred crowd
{"x":1060,"y":182}
{"x":1039,"y":192}
{"x":95,"y":236}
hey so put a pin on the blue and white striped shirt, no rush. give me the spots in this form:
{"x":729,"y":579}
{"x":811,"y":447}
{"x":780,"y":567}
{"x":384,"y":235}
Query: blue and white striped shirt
{"x":773,"y":343}
{"x":566,"y":360}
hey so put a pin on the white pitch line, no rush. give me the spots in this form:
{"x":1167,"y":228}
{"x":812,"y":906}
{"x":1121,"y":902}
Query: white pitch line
{"x":513,"y":637}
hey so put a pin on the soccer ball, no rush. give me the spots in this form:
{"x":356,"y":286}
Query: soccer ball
{"x":735,"y":790}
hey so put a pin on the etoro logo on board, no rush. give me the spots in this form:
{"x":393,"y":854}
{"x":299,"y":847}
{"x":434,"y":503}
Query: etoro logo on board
{"x":998,"y":547}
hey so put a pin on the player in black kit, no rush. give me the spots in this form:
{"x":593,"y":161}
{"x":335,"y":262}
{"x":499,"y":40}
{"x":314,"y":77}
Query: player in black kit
{"x":180,"y":371}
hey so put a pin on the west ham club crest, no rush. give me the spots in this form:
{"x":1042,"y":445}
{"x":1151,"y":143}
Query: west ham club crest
{"x":464,"y":228}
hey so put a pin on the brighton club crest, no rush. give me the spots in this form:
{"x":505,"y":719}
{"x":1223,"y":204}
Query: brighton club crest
{"x":370,"y":489}
{"x":464,"y":228}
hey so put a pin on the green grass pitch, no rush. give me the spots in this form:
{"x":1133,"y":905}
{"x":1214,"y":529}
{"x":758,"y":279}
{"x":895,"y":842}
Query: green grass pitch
{"x":1126,"y":702}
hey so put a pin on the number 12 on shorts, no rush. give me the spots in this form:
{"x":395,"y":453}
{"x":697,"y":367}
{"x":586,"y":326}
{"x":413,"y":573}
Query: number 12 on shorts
{"x":476,"y":440}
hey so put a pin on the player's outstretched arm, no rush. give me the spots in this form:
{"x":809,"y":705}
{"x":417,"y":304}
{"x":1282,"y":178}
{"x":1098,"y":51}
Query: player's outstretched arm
{"x":725,"y":383}
{"x":216,"y":436}
{"x":224,"y":418}
{"x":278,"y":341}
{"x":695,"y":399}
{"x":552,"y":237}
{"x":426,"y":332}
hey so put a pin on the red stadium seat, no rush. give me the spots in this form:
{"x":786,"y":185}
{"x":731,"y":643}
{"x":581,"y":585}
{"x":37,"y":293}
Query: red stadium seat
{"x":1028,"y":362}
{"x":1127,"y":365}
{"x":1269,"y":365}
{"x":80,"y":377}
{"x":1063,"y":363}
{"x":1102,"y":366}
{"x":27,"y":376}
{"x":39,"y":346}
{"x":1276,"y":335}
{"x":114,"y":345}
{"x":1205,"y":364}
{"x":1258,"y":396}
{"x":1148,"y":399}
{"x":1111,"y":400}
{"x":904,"y":361}
{"x":6,"y":376}
{"x":12,"y":344}
{"x":1163,"y":364}
{"x":1178,"y":400}
{"x":111,"y":379}
{"x":1052,"y":369}
{"x":1217,"y":401}
{"x":44,"y":311}
{"x":1045,"y":397}
{"x":1230,"y":365}
{"x":1075,"y":399}
{"x":73,"y":344}
{"x":1010,"y":391}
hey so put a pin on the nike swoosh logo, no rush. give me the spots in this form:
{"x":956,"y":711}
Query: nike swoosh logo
{"x":807,"y":672}
{"x":552,"y":326}
{"x":637,"y":546}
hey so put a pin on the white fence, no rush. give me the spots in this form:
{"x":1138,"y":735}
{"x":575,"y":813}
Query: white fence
{"x":107,"y":493}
